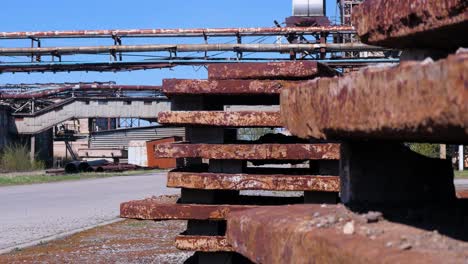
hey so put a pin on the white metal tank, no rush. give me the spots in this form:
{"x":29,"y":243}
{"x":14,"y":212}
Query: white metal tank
{"x":309,"y":8}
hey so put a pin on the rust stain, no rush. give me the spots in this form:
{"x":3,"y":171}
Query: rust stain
{"x":152,"y":209}
{"x":277,"y":182}
{"x":413,"y":24}
{"x":305,"y":234}
{"x":203,"y":243}
{"x":324,"y":151}
{"x":462,"y":194}
{"x":419,"y":101}
{"x":220,"y":118}
{"x":295,"y":70}
{"x":222,"y":87}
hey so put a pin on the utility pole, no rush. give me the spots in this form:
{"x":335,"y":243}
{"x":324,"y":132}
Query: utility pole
{"x":461,"y":158}
{"x":443,"y":151}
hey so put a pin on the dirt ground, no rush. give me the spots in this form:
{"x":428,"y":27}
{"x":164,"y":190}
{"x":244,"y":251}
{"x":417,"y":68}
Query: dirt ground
{"x":129,"y":241}
{"x":133,"y":241}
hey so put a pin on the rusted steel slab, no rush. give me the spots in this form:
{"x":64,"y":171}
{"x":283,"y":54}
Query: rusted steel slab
{"x":221,"y":118}
{"x":317,"y":234}
{"x":413,"y":24}
{"x":203,"y":243}
{"x":425,"y":101}
{"x":277,"y":182}
{"x":152,"y":209}
{"x":462,"y":194}
{"x":295,"y":70}
{"x":250,"y":151}
{"x":222,"y":87}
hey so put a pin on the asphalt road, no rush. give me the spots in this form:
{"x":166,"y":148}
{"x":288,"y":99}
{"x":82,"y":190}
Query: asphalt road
{"x":34,"y":212}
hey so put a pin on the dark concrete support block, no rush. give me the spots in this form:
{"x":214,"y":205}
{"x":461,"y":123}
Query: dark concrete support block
{"x":217,"y":257}
{"x":206,"y":135}
{"x":226,"y":166}
{"x":205,"y":228}
{"x":325,"y":167}
{"x":192,"y":196}
{"x":321,"y":198}
{"x":390,"y":173}
{"x":187,"y":103}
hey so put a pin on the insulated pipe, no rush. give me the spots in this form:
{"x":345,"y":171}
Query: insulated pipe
{"x":156,"y":64}
{"x":348,"y":47}
{"x":197,"y":32}
{"x":78,"y":87}
{"x":72,"y":167}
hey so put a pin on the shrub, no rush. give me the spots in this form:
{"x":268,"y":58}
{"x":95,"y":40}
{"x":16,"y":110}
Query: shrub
{"x":15,"y":157}
{"x":429,"y":150}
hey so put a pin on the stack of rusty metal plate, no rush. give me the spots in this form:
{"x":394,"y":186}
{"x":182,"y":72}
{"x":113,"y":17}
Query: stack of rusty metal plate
{"x":219,"y":172}
{"x":372,"y":112}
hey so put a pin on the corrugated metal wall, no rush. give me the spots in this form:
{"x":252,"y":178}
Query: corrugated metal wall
{"x":4,"y":126}
{"x":121,"y":137}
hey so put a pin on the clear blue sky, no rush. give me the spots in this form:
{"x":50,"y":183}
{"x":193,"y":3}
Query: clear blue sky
{"x":120,"y":14}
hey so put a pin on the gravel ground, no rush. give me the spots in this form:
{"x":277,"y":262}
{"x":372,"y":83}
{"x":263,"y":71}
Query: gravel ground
{"x":129,"y":241}
{"x":34,"y":212}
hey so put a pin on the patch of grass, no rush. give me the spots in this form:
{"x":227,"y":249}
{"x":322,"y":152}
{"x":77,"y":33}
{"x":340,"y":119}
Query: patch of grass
{"x":42,"y":178}
{"x":429,"y":150}
{"x":15,"y":157}
{"x":461,"y":174}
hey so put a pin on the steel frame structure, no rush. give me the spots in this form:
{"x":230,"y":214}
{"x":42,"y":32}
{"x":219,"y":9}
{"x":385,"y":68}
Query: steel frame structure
{"x":297,"y":44}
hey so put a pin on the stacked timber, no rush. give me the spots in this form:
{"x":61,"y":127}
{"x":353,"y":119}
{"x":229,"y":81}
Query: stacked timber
{"x":219,"y":172}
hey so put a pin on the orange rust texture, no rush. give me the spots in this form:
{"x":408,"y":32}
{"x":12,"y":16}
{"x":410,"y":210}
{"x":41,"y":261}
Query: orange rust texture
{"x":297,"y":70}
{"x":250,"y":151}
{"x":161,"y":163}
{"x":414,"y":101}
{"x":221,"y":181}
{"x":288,"y":234}
{"x":462,"y":194}
{"x":222,"y":87}
{"x":220,"y":118}
{"x":151,"y":209}
{"x":413,"y":24}
{"x":203,"y":243}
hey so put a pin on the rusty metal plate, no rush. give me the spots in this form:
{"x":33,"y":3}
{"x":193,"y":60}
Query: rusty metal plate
{"x":203,"y":243}
{"x":151,"y":209}
{"x":221,"y":118}
{"x":413,"y":24}
{"x":424,"y":101}
{"x":300,"y":233}
{"x":249,"y":151}
{"x":221,"y":87}
{"x":462,"y":194}
{"x":296,"y":70}
{"x":278,"y":182}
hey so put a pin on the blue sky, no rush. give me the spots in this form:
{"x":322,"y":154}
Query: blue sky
{"x":119,"y":14}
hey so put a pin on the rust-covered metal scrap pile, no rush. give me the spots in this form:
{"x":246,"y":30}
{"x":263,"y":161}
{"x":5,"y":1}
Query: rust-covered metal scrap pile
{"x":237,"y":96}
{"x":382,"y":184}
